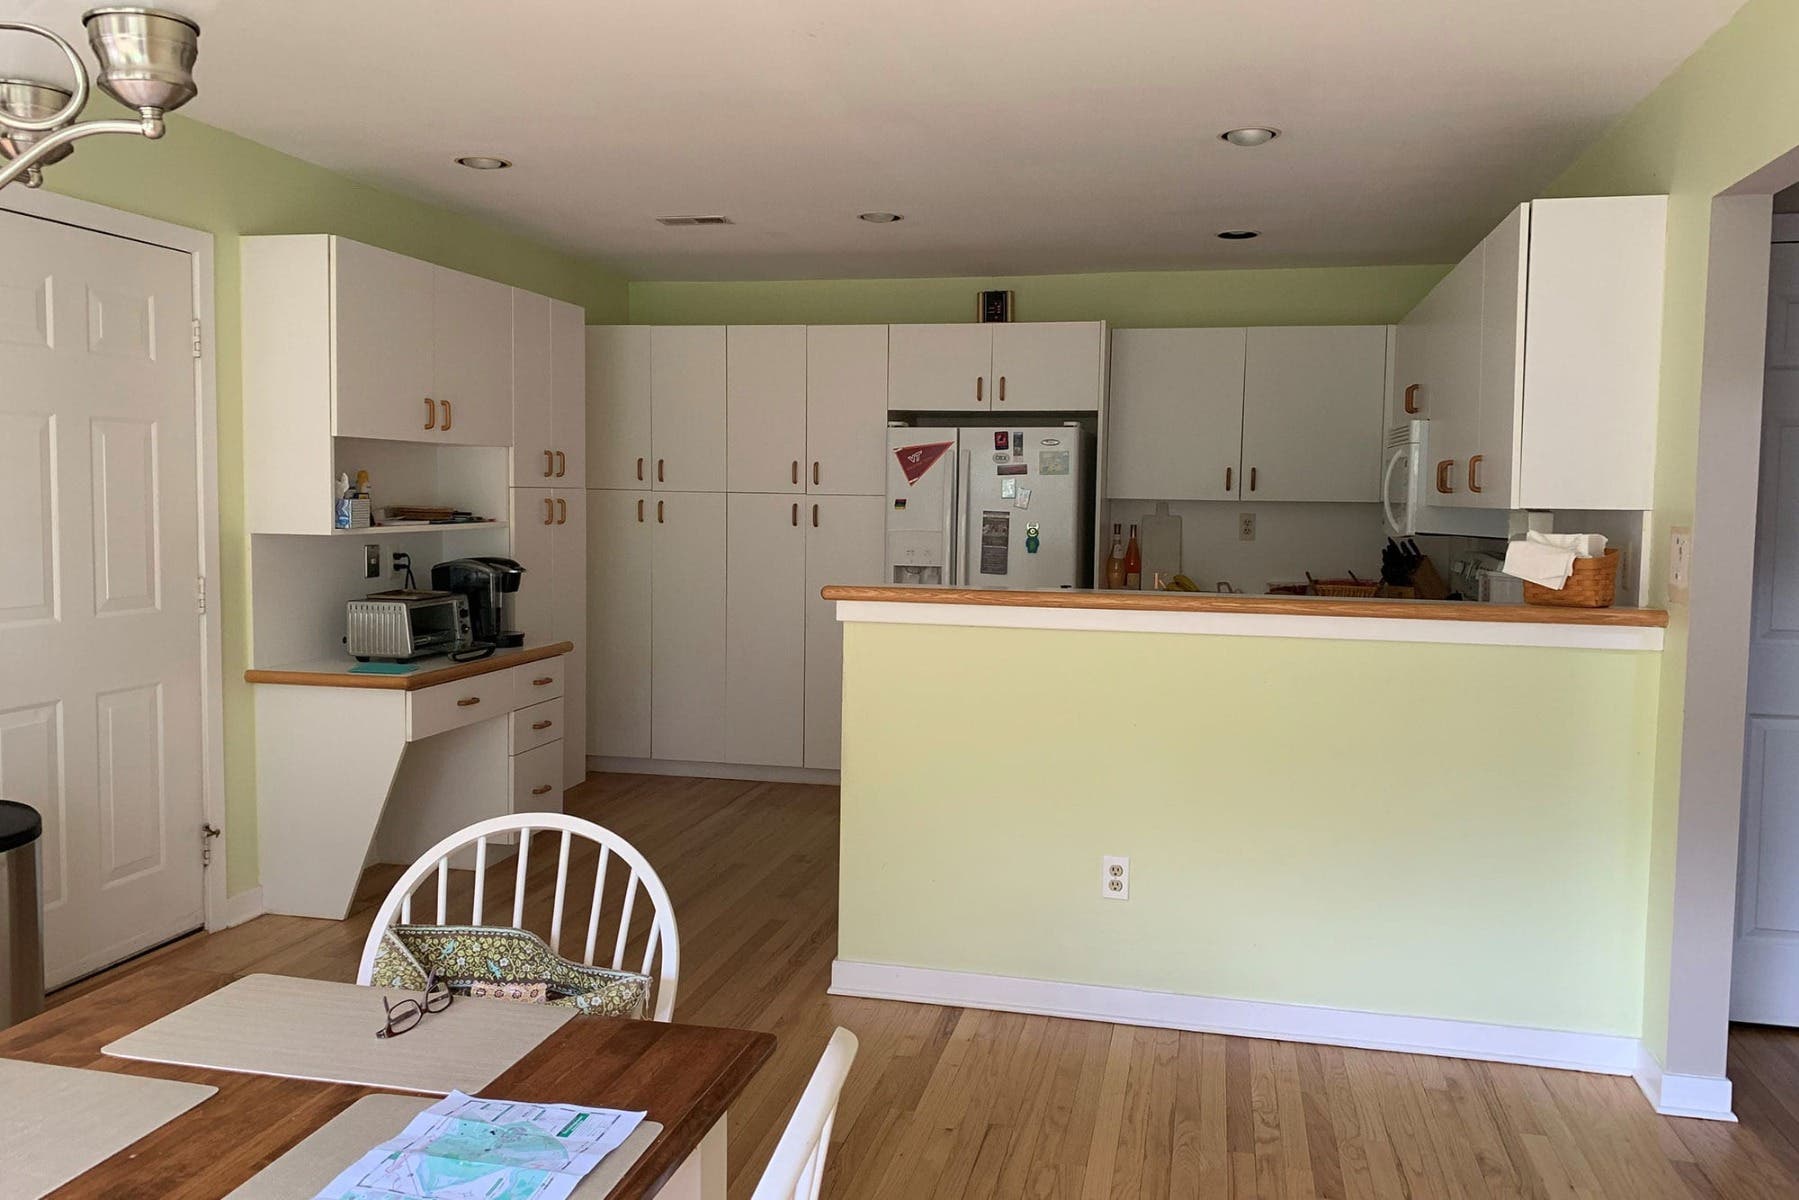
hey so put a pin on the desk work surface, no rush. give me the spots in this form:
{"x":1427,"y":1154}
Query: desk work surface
{"x":335,"y":672}
{"x":683,"y":1076}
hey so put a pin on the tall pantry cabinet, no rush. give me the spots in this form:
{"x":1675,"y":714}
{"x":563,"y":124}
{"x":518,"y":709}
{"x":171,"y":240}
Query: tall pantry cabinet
{"x":734,"y":471}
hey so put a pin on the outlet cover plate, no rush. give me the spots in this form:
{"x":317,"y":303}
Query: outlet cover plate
{"x":1115,"y":877}
{"x":1680,"y":564}
{"x":1246,"y":527}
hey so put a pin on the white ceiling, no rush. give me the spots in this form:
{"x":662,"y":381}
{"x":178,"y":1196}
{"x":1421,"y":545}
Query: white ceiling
{"x":1017,"y":136}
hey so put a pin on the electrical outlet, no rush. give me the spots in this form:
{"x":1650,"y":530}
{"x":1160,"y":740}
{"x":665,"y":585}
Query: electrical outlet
{"x":371,"y":561}
{"x":1680,"y":564}
{"x":1246,"y":527}
{"x":402,"y":561}
{"x":1115,"y":877}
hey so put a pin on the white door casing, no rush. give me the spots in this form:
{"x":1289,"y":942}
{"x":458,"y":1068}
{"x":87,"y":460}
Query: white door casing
{"x":104,"y":703}
{"x":1765,"y":967}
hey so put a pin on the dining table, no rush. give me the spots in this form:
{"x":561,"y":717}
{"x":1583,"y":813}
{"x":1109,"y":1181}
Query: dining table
{"x":684,"y":1077}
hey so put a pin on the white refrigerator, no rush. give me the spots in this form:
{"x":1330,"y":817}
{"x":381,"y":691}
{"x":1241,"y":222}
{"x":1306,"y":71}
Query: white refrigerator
{"x":989,"y":506}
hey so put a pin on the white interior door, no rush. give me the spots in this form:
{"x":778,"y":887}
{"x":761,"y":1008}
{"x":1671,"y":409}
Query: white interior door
{"x":765,"y":634}
{"x":100,"y":695}
{"x":618,"y":615}
{"x":1765,"y":972}
{"x":843,"y":545}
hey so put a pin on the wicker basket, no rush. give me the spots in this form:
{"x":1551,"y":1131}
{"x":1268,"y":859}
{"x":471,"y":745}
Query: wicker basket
{"x":1594,"y":584}
{"x":1356,"y":588}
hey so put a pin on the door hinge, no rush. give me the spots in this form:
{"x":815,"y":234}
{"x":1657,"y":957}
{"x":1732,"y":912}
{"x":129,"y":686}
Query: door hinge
{"x":208,"y":831}
{"x":200,"y":594}
{"x":196,"y":337}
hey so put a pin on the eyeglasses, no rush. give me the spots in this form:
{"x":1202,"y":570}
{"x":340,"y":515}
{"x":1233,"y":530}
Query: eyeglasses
{"x":402,"y":1015}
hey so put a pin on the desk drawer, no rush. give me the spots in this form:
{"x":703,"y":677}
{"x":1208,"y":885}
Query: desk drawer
{"x":537,"y":779}
{"x":538,"y":681}
{"x":533,"y":726}
{"x":447,"y":706}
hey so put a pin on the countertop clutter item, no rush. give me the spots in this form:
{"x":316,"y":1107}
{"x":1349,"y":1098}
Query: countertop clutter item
{"x":407,"y":623}
{"x":1547,"y":559}
{"x":1592,"y":583}
{"x":352,"y":501}
{"x":486,"y":581}
{"x":1353,"y":588}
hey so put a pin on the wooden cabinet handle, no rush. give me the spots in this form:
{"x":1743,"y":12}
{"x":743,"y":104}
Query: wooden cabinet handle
{"x":561,"y":464}
{"x":658,"y":512}
{"x":542,"y":724}
{"x":659,"y":478}
{"x":549,"y":463}
{"x":815,"y":516}
{"x":549,"y":511}
{"x":540,"y":789}
{"x":1002,"y":389}
{"x":1443,"y":475}
{"x":980,"y":387}
{"x":430,"y":413}
{"x":1252,"y":479}
{"x":449,"y":415}
{"x":640,"y":510}
{"x":468,"y":702}
{"x":1411,"y":398}
{"x":561,"y":511}
{"x":815,"y":472}
{"x":796,"y":514}
{"x":1227,"y":479}
{"x":640,"y":470}
{"x":1474,"y":473}
{"x":543,"y":681}
{"x":796,"y":471}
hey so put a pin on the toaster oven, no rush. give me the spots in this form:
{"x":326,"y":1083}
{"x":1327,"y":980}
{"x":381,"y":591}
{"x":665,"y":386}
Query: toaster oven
{"x":403,"y":624}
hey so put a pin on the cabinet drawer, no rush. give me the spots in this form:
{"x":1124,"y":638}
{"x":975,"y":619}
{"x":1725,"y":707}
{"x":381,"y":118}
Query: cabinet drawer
{"x":433,"y":710}
{"x":537,"y":779}
{"x":537,"y":682}
{"x":533,"y":726}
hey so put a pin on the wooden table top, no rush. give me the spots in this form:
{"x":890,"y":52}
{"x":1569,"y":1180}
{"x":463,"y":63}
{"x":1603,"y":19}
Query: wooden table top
{"x":432,"y":671}
{"x":684,"y":1075}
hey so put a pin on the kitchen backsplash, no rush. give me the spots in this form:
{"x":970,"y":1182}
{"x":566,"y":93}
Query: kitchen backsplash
{"x":1290,"y":539}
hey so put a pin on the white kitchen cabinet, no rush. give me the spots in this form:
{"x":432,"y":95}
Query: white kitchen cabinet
{"x":765,"y":633}
{"x":846,"y":410}
{"x":549,"y":540}
{"x":533,"y":405}
{"x":844,"y":545}
{"x":1313,"y":402}
{"x":378,"y":326}
{"x":687,"y":407}
{"x":687,"y":633}
{"x":471,"y":360}
{"x":1176,"y":414}
{"x":765,"y":407}
{"x":619,"y":608}
{"x":1048,"y":366}
{"x":1488,"y":477}
{"x":535,"y":779}
{"x":568,"y":392}
{"x":939,"y":368}
{"x":618,"y":406}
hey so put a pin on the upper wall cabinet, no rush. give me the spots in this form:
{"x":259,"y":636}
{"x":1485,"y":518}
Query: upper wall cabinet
{"x":1052,"y":366}
{"x":765,"y":369}
{"x":471,"y":358}
{"x":549,"y":392}
{"x":687,"y":407}
{"x":618,"y":406}
{"x":1538,"y":359}
{"x":1176,"y":414}
{"x":846,"y":410}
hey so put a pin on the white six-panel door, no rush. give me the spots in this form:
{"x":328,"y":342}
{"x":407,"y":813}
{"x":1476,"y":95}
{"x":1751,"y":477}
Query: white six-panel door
{"x":1765,"y":971}
{"x":100,"y":641}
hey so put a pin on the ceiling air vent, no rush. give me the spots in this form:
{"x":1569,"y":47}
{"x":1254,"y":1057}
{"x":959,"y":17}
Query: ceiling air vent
{"x":712,"y":220}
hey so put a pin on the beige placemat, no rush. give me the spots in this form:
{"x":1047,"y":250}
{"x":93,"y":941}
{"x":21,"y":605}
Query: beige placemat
{"x":302,"y":1172}
{"x":315,"y":1029}
{"x":56,"y":1122}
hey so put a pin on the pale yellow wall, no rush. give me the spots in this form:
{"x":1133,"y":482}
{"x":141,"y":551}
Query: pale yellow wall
{"x":1305,"y":823}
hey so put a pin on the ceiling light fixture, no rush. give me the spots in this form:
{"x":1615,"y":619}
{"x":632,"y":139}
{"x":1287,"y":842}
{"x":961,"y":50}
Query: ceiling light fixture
{"x":1239,"y":235}
{"x":1254,"y":135}
{"x":483,"y":162}
{"x":879,"y":218}
{"x":146,"y":59}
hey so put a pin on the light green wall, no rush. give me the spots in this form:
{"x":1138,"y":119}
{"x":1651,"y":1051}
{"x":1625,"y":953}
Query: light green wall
{"x":1325,"y":296}
{"x":208,"y":179}
{"x":1731,"y":109}
{"x":1303,"y":826}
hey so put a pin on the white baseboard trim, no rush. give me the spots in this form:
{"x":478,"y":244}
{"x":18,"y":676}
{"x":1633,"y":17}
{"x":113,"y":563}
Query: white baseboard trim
{"x":1705,"y":1097}
{"x":1608,"y":1054}
{"x":244,"y":906}
{"x":703,"y":770}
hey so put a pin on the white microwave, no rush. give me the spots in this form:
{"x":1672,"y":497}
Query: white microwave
{"x":1405,"y":491}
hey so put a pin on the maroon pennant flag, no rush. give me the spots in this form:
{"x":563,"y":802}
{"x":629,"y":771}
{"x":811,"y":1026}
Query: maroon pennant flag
{"x":916,"y":460}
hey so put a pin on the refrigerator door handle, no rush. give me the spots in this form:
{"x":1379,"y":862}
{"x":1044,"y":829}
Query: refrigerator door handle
{"x":960,"y":538}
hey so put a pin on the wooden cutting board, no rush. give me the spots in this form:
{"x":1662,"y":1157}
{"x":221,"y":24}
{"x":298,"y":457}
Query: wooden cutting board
{"x":1159,"y":539}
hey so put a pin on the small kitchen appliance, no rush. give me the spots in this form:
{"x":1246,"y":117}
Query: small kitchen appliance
{"x":486,"y":581}
{"x":404,"y":624}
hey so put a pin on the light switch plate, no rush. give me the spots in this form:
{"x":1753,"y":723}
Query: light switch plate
{"x":1680,"y":564}
{"x":371,"y":560}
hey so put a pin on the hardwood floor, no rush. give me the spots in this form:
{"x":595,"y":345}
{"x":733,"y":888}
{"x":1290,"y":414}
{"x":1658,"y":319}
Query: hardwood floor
{"x":960,"y":1102}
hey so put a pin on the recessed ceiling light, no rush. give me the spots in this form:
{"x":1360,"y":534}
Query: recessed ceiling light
{"x":1240,"y":235}
{"x":484,"y":162}
{"x":879,"y":218}
{"x":1255,"y":135}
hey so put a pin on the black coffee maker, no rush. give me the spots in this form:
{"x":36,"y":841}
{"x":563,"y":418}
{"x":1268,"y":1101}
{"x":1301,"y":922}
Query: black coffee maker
{"x":486,"y":581}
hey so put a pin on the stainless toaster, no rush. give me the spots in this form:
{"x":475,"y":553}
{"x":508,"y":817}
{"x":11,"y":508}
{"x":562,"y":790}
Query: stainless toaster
{"x":404,"y":624}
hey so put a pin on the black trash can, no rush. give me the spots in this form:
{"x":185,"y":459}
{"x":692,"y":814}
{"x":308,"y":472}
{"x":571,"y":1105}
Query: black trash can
{"x":21,"y":920}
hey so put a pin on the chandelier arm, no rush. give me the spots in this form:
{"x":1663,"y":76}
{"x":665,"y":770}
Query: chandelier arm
{"x":150,"y":125}
{"x":77,"y":101}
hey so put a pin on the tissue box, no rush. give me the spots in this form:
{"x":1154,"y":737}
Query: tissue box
{"x":352,"y":513}
{"x":1594,"y":584}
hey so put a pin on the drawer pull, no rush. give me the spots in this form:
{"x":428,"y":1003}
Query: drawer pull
{"x":543,"y":681}
{"x":542,"y":724}
{"x":468,"y":702}
{"x":540,"y":789}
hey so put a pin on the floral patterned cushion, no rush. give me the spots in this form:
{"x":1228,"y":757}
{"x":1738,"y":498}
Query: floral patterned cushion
{"x":512,"y":964}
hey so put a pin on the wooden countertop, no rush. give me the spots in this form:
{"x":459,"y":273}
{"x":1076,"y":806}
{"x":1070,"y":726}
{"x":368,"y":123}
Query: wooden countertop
{"x":1302,"y":606}
{"x":431,"y":672}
